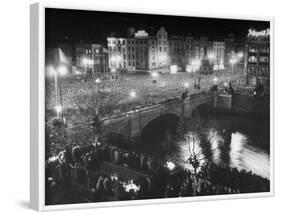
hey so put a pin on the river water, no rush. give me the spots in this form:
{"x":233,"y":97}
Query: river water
{"x":238,"y":141}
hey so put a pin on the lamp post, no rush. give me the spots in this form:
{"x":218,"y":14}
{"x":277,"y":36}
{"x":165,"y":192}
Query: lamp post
{"x":58,"y":73}
{"x":97,"y":122}
{"x":232,"y":62}
{"x":133,"y":95}
{"x":154,"y":75}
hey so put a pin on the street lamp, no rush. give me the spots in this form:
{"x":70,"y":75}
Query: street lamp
{"x":195,"y":63}
{"x":59,"y":72}
{"x":240,"y":54}
{"x":232,"y":62}
{"x":154,"y":74}
{"x":215,"y":80}
{"x":133,"y":94}
{"x":98,"y":80}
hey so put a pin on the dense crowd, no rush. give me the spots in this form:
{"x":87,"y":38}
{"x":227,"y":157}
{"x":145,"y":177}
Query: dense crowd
{"x":148,"y":90}
{"x":82,"y":174}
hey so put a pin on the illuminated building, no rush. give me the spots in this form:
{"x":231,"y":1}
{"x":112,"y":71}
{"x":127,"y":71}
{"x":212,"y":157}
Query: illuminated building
{"x":258,"y":57}
{"x":117,"y":52}
{"x":234,"y":46}
{"x":91,"y":58}
{"x":163,"y":56}
{"x":216,"y":54}
{"x":177,"y":50}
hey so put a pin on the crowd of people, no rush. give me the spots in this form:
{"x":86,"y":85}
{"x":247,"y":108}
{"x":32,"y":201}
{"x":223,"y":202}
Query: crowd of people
{"x":78,"y":175}
{"x":147,"y":92}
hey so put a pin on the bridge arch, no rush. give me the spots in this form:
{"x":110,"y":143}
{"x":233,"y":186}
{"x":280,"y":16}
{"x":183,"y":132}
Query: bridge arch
{"x":155,"y":130}
{"x":202,"y":109}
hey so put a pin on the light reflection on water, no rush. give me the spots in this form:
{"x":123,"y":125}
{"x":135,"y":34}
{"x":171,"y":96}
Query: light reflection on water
{"x":245,"y":156}
{"x":242,"y":155}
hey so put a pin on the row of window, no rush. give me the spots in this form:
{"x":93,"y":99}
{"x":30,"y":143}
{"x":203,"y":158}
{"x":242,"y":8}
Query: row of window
{"x":258,"y":70}
{"x":259,"y":49}
{"x":262,"y":59}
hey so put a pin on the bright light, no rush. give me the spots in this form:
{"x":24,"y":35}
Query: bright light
{"x":62,"y":70}
{"x":50,"y":70}
{"x":186,"y":85}
{"x":58,"y":109}
{"x":215,"y":79}
{"x":85,"y":61}
{"x":173,"y":69}
{"x":90,"y":62}
{"x":170,"y":165}
{"x":154,"y":74}
{"x":131,"y":186}
{"x":133,"y":94}
{"x":53,"y":159}
{"x":98,"y":80}
{"x":232,"y":61}
{"x":225,"y":84}
{"x":240,"y":54}
{"x":211,"y":56}
{"x":113,"y":70}
{"x":216,"y":67}
{"x":195,"y":63}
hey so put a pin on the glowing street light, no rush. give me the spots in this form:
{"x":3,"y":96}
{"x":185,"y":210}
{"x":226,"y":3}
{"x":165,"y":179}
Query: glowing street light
{"x":85,"y":61}
{"x":170,"y":165}
{"x":62,"y":70}
{"x":58,"y":72}
{"x":98,"y":80}
{"x":195,"y":63}
{"x":154,"y":74}
{"x":133,"y":94}
{"x":211,"y":56}
{"x":58,"y":109}
{"x":232,"y":62}
{"x":215,"y":80}
{"x":186,"y":85}
{"x":240,"y":54}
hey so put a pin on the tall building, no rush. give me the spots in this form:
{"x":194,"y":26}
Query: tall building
{"x":146,"y":51}
{"x":131,"y":54}
{"x":216,"y":54}
{"x":91,"y":58}
{"x":100,"y":58}
{"x":163,"y":52}
{"x":258,"y":57}
{"x":178,"y":51}
{"x":189,"y":48}
{"x":117,"y":53}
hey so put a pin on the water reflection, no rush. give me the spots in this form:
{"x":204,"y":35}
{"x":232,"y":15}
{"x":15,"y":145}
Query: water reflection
{"x":236,"y":141}
{"x":242,"y":153}
{"x":245,"y":156}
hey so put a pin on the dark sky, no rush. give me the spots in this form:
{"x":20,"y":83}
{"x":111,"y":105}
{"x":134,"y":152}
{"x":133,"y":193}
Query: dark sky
{"x":73,"y":26}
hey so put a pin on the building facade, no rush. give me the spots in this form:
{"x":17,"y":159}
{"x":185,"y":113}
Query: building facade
{"x":163,"y":48}
{"x":178,"y":51}
{"x":216,"y":54}
{"x":258,"y":57}
{"x":91,"y":58}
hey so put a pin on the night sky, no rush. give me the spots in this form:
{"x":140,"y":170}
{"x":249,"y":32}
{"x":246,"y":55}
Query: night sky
{"x":74,"y":26}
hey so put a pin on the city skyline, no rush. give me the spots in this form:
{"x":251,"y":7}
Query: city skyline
{"x":65,"y":26}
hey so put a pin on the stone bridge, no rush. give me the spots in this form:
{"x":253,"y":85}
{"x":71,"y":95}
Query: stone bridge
{"x":131,"y":124}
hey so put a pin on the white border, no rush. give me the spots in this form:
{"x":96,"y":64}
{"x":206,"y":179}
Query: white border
{"x":37,"y":111}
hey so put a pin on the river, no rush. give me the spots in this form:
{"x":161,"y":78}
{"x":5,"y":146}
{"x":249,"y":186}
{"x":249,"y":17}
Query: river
{"x":238,"y":141}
